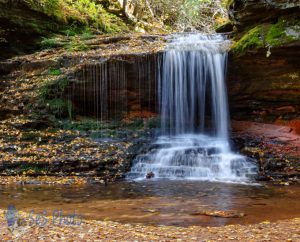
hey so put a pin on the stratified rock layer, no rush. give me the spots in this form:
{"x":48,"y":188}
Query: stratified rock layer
{"x":245,"y":13}
{"x":265,"y":89}
{"x":264,"y":75}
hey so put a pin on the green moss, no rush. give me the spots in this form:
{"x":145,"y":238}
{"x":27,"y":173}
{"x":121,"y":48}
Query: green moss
{"x":76,"y":44}
{"x":252,"y":39}
{"x":266,"y":36}
{"x":58,"y":107}
{"x":276,"y":34}
{"x":50,"y":43}
{"x":55,"y":72}
{"x":111,"y":23}
{"x":136,"y":123}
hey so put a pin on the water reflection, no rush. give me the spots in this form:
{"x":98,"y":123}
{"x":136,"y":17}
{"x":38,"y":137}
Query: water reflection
{"x":160,"y":201}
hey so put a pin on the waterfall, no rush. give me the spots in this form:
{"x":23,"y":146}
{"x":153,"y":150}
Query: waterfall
{"x":194,"y":115}
{"x":192,"y":65}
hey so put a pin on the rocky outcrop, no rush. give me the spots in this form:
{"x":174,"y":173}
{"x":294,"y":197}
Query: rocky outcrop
{"x":115,"y":79}
{"x":245,"y":13}
{"x":264,"y":83}
{"x":21,"y":27}
{"x":116,"y":87}
{"x":265,"y":88}
{"x":264,"y":77}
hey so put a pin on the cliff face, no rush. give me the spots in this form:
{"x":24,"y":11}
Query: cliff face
{"x":264,"y":74}
{"x":21,"y":27}
{"x":116,"y":87}
{"x":245,"y":13}
{"x":114,"y":79}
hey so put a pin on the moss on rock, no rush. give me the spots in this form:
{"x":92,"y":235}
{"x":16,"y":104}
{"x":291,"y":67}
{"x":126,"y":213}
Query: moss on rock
{"x":268,"y":36}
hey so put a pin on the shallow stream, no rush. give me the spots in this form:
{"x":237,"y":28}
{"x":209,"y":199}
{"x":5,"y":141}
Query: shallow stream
{"x":160,"y":202}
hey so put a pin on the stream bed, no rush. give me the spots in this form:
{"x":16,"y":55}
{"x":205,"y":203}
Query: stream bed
{"x":160,"y":202}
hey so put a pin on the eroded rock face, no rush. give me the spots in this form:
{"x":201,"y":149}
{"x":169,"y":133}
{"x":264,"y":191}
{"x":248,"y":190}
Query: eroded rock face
{"x":115,"y":79}
{"x":265,"y":88}
{"x":250,"y":12}
{"x":264,"y":75}
{"x":117,"y":87}
{"x":264,"y":83}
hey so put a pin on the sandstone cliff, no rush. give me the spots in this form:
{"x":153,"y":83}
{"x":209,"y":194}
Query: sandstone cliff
{"x":264,"y":74}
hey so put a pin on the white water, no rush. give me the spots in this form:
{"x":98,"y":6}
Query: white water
{"x":194,"y":115}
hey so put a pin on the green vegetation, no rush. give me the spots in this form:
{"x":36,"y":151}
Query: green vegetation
{"x":136,"y":123}
{"x":80,"y":13}
{"x":75,"y":41}
{"x":55,"y":72}
{"x":49,"y":43}
{"x":252,"y":39}
{"x":32,"y":169}
{"x":265,"y":36}
{"x":85,"y":124}
{"x":277,"y":34}
{"x":153,"y":123}
{"x":52,"y":97}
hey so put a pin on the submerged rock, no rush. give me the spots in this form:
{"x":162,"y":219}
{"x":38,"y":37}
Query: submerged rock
{"x":220,"y":213}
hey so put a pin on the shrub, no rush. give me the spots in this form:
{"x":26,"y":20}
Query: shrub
{"x":49,"y":43}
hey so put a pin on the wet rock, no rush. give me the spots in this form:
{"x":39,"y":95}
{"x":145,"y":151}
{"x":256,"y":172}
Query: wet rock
{"x":150,"y":175}
{"x":219,"y":213}
{"x":7,"y":67}
{"x":213,"y":151}
{"x":262,"y":177}
{"x":275,"y":165}
{"x":225,"y":28}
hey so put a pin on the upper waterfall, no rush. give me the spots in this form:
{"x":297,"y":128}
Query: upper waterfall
{"x":192,"y":78}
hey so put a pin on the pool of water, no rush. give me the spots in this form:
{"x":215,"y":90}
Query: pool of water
{"x":158,"y":202}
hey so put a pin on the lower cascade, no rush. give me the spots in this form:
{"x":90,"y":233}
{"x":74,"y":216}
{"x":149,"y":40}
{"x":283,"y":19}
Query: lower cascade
{"x":194,"y":141}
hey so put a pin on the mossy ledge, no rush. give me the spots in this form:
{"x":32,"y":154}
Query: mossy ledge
{"x":268,"y":36}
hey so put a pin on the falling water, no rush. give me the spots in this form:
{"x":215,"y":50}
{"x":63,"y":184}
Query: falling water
{"x":112,"y":89}
{"x":194,"y":115}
